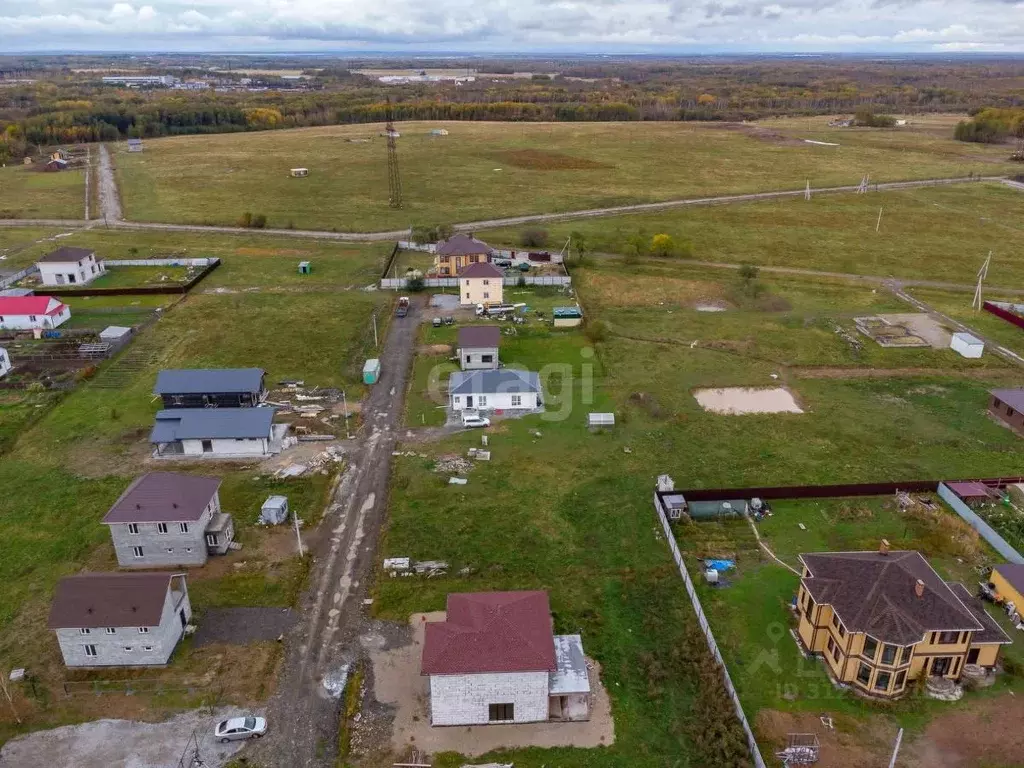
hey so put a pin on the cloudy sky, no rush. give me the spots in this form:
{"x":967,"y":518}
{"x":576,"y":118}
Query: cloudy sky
{"x":901,"y":26}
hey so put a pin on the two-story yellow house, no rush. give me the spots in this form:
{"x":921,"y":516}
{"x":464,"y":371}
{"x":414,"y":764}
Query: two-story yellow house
{"x":453,"y":255}
{"x":881,"y":619}
{"x":481,"y":284}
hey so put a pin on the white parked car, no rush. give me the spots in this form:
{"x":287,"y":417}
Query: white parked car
{"x":474,"y":420}
{"x":238,"y":728}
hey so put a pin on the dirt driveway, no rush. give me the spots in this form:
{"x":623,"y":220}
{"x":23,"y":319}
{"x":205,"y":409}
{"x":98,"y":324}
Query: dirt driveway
{"x":124,"y":743}
{"x":397,"y":682}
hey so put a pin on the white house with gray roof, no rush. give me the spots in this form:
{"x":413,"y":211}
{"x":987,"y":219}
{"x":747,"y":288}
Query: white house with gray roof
{"x":119,"y":619}
{"x":506,"y":389}
{"x":169,"y":519}
{"x":70,"y":266}
{"x":217,"y":433}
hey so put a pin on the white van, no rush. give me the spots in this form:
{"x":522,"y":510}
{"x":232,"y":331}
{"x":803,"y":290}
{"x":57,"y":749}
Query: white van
{"x":474,"y":419}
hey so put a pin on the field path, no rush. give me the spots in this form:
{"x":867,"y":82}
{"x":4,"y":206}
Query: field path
{"x":111,"y":208}
{"x":303,"y":715}
{"x":110,"y":201}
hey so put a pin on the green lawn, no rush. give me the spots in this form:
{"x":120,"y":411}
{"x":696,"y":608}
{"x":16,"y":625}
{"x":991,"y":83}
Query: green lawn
{"x":141,"y":277}
{"x":485,"y":169}
{"x":28,"y":193}
{"x":934,"y":233}
{"x":958,"y":306}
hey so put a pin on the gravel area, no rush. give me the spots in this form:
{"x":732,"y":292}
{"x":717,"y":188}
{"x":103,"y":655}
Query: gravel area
{"x":238,"y":626}
{"x":125,"y":743}
{"x":739,"y":400}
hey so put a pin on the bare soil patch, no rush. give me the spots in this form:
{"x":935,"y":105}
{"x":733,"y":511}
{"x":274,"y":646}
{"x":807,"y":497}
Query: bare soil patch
{"x":240,"y":626}
{"x":434,"y":349}
{"x":542,"y":160}
{"x":624,"y":290}
{"x":759,"y":133}
{"x":850,"y":744}
{"x":743,"y":400}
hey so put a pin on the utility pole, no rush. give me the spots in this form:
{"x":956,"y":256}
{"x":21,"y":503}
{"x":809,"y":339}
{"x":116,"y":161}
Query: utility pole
{"x":298,"y":535}
{"x":896,"y":749}
{"x":376,"y":344}
{"x":879,"y":222}
{"x":807,"y":192}
{"x":344,"y":401}
{"x":982,"y":274}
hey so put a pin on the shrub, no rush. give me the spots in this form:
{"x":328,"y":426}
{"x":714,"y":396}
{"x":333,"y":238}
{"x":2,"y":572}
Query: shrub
{"x":415,"y":284}
{"x":245,"y":220}
{"x":663,"y":246}
{"x":867,"y":117}
{"x":259,"y":221}
{"x":596,"y":330}
{"x":533,"y":238}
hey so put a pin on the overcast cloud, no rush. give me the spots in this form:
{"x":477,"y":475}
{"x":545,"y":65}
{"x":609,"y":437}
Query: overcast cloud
{"x":514,"y":25}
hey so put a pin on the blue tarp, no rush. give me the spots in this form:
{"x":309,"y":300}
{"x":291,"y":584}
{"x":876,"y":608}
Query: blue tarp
{"x":719,"y":565}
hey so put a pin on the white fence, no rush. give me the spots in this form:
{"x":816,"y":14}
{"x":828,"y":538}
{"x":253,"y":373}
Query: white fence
{"x":398,"y":283}
{"x":755,"y":752}
{"x":159,"y":262}
{"x":999,"y":544}
{"x":10,"y":280}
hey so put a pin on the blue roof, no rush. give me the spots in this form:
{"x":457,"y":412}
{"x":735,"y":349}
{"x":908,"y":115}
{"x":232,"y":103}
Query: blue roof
{"x":567,"y":312}
{"x":201,"y":381}
{"x":505,"y":380}
{"x":211,"y":423}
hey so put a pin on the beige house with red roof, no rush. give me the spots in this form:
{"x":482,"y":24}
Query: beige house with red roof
{"x":496,"y":659}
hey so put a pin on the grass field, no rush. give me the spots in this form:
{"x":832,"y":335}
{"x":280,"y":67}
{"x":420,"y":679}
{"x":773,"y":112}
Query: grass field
{"x":482,"y":170}
{"x":28,"y":193}
{"x":140,"y":277}
{"x":937,"y":233}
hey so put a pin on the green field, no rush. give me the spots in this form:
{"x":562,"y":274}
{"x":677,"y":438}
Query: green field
{"x":28,"y":193}
{"x":935,"y":233}
{"x":482,"y":170}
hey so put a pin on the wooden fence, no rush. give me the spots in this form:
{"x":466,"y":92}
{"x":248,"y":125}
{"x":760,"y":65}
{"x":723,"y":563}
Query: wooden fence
{"x":755,"y":752}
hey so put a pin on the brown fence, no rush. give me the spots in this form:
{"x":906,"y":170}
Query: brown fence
{"x":1004,"y":314}
{"x":148,"y":290}
{"x":826,"y":491}
{"x":391,"y":260}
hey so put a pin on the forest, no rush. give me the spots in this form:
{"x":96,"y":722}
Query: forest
{"x":46,"y":100}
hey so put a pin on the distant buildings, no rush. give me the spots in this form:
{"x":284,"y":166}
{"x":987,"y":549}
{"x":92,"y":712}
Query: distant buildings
{"x":137,"y":81}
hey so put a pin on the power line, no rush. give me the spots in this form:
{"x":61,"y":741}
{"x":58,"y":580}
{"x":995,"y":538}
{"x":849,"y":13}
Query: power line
{"x":394,"y":177}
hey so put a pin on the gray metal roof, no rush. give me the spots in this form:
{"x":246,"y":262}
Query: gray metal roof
{"x":211,"y":423}
{"x":571,"y":674}
{"x":505,"y":380}
{"x":201,"y":381}
{"x":1011,"y":397}
{"x":67,"y":255}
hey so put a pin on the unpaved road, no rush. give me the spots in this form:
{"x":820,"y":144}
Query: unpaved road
{"x":106,"y":181}
{"x":110,"y":200}
{"x":304,"y":716}
{"x":124,"y":743}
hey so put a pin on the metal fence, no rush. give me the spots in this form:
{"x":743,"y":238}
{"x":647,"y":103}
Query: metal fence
{"x":169,"y":262}
{"x":999,"y":544}
{"x":826,"y":491}
{"x":501,"y":253}
{"x":10,"y":280}
{"x":1000,"y":310}
{"x":755,"y":752}
{"x":399,"y":283}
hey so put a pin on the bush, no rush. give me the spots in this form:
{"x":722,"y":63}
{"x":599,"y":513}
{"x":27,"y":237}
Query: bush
{"x":422,"y":234}
{"x":259,"y":221}
{"x":533,"y":238}
{"x":869,"y":119}
{"x":596,"y":330}
{"x":663,"y":246}
{"x":415,"y":284}
{"x":245,"y":220}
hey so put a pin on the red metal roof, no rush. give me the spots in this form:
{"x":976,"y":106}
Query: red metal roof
{"x":29,"y":305}
{"x":491,"y":632}
{"x":109,"y":600}
{"x":969,"y":489}
{"x":164,"y":497}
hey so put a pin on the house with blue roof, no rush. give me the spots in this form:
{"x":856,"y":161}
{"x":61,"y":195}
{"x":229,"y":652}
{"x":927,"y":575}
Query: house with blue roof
{"x":222,"y":433}
{"x":497,"y":391}
{"x":211,"y":387}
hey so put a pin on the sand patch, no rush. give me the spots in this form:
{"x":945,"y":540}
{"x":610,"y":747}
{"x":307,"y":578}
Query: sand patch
{"x":741,"y":400}
{"x":710,"y":307}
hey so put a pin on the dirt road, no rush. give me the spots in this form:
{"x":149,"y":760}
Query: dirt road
{"x":110,"y":204}
{"x":303,"y":712}
{"x":110,"y":200}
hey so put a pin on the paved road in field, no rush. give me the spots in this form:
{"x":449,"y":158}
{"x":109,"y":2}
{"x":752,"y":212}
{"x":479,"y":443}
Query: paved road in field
{"x":303,"y":716}
{"x":111,"y":208}
{"x":110,"y":200}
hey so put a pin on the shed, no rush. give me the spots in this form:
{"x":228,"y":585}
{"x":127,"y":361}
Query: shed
{"x":274,"y":510}
{"x":371,"y":371}
{"x":115,"y":334}
{"x":599,"y":420}
{"x":134,"y":145}
{"x":967,"y":345}
{"x":567,"y":317}
{"x":972,"y":491}
{"x":305,"y":267}
{"x":300,"y":172}
{"x":438,"y":131}
{"x":5,"y":362}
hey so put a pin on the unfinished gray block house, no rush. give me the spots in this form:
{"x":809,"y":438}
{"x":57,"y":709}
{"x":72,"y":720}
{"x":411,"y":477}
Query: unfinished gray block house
{"x":169,"y":519}
{"x":211,"y":387}
{"x":478,"y":347}
{"x":120,"y":619}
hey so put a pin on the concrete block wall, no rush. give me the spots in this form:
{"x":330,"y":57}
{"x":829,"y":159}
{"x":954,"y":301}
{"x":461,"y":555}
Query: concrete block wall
{"x":155,"y":545}
{"x":465,"y":699}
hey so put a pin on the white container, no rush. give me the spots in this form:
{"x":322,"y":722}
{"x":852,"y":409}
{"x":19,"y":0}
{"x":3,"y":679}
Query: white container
{"x":967,"y":345}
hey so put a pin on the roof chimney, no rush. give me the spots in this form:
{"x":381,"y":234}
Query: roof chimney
{"x":919,"y":588}
{"x":174,"y":504}
{"x":883,"y":547}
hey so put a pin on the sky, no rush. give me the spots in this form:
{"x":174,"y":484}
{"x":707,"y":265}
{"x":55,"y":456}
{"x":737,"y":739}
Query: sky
{"x":504,"y":26}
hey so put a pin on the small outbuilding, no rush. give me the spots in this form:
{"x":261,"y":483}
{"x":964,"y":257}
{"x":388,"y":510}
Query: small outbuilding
{"x":478,"y":347}
{"x":1007,"y":405}
{"x":274,"y":510}
{"x":371,"y":371}
{"x":56,"y":165}
{"x":567,"y":317}
{"x":967,"y":345}
{"x":5,"y":362}
{"x":300,"y":172}
{"x":305,"y":267}
{"x":134,"y":145}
